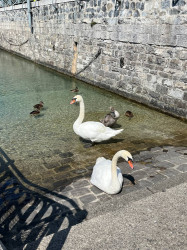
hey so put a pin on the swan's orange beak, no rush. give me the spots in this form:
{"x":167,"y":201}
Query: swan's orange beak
{"x":72,"y":101}
{"x":130,"y":164}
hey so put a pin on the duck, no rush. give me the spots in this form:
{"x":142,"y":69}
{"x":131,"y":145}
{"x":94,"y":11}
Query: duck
{"x":75,"y":90}
{"x":39,"y":105}
{"x":91,"y":130}
{"x":35,"y":112}
{"x":129,"y":114}
{"x":114,"y":113}
{"x":107,"y":176}
{"x":109,"y":120}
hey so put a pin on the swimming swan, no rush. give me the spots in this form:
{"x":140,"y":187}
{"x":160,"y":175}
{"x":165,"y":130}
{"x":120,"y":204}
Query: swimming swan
{"x":93,"y":131}
{"x":107,"y":176}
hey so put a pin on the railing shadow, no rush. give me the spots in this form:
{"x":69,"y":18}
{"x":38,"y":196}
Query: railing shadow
{"x":29,"y":212}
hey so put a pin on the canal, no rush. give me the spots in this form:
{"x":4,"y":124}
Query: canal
{"x":44,"y":148}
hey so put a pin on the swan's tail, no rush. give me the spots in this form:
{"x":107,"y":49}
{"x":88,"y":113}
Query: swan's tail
{"x":118,"y":131}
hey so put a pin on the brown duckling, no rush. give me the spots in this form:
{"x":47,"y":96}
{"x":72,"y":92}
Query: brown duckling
{"x":75,"y":90}
{"x":129,"y":114}
{"x":35,"y":112}
{"x":39,"y":105}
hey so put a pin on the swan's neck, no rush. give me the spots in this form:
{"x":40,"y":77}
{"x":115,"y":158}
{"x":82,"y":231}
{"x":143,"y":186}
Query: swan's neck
{"x":81,"y":114}
{"x":114,"y":166}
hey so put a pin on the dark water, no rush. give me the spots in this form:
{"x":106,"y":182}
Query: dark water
{"x":45,"y":148}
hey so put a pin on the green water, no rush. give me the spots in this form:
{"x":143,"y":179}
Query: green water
{"x":45,"y":148}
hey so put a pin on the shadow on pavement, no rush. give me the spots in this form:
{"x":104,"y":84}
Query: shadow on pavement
{"x":29,"y":212}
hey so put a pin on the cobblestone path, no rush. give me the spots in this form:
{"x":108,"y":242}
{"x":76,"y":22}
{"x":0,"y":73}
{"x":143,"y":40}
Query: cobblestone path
{"x":28,"y":212}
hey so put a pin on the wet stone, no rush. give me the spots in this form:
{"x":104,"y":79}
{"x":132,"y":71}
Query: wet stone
{"x":80,"y":171}
{"x":182,"y":167}
{"x":87,"y":198}
{"x":51,"y":165}
{"x":66,"y":160}
{"x":63,"y":155}
{"x":62,"y":168}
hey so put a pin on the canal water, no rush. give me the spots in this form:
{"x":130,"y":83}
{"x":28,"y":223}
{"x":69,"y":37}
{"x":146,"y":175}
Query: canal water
{"x":45,"y":149}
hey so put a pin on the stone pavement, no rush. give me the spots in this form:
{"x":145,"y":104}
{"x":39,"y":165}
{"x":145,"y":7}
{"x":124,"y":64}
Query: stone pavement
{"x":33,"y":216}
{"x":150,"y":167}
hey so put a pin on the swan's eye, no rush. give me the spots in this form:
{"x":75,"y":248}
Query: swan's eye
{"x":130,"y":159}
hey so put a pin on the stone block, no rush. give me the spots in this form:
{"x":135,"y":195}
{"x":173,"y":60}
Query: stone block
{"x":182,"y":167}
{"x":87,"y":198}
{"x":176,"y":93}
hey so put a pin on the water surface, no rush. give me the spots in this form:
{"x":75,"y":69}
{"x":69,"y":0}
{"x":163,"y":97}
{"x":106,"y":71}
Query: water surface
{"x":45,"y":148}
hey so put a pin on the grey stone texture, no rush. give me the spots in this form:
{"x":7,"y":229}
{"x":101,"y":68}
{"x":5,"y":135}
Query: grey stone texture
{"x":151,"y":36}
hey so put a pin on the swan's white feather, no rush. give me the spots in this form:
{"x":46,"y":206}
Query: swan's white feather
{"x":102,"y":176}
{"x":95,"y":131}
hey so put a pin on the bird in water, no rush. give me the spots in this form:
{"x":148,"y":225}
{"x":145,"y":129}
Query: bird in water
{"x":39,"y":105}
{"x":35,"y":112}
{"x":111,"y":118}
{"x":114,"y":113}
{"x":90,"y":130}
{"x":75,"y":90}
{"x":129,"y":114}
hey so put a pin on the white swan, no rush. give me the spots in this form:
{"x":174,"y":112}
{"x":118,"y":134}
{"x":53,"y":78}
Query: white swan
{"x":93,"y":131}
{"x":107,"y":176}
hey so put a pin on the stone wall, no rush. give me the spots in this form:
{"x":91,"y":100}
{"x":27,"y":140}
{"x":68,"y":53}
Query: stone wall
{"x":137,"y":48}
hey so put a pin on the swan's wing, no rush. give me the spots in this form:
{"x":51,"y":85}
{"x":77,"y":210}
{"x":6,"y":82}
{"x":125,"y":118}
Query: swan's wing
{"x":96,"y":131}
{"x":101,"y":174}
{"x":90,"y":130}
{"x":100,"y":159}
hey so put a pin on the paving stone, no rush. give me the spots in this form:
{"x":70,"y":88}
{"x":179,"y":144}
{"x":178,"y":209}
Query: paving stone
{"x":170,"y":172}
{"x":79,"y":192}
{"x":156,"y":178}
{"x":87,"y":198}
{"x":182,"y":167}
{"x":183,"y":152}
{"x":139,"y":166}
{"x":138,"y":175}
{"x":144,"y":183}
{"x":96,"y":190}
{"x":164,"y":164}
{"x":81,"y":183}
{"x":168,"y":156}
{"x":128,"y":189}
{"x":156,"y":149}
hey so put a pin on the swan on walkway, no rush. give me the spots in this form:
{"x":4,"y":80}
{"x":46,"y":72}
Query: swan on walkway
{"x":107,"y":176}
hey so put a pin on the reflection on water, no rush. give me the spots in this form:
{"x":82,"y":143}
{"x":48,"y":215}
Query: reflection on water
{"x":45,"y":147}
